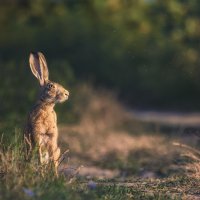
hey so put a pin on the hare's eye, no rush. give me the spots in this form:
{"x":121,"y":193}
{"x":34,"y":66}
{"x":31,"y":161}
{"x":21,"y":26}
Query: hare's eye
{"x":50,"y":85}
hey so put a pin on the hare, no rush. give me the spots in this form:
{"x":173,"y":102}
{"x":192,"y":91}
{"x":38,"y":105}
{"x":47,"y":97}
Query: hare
{"x":41,"y":128}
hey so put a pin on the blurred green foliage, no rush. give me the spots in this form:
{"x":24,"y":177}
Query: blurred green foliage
{"x":148,"y":50}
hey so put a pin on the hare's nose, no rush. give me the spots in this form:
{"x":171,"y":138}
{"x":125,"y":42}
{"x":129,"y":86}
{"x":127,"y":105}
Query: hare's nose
{"x":66,"y":93}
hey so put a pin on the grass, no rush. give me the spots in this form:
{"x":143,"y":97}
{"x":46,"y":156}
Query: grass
{"x":21,"y":180}
{"x":29,"y":180}
{"x":129,"y":160}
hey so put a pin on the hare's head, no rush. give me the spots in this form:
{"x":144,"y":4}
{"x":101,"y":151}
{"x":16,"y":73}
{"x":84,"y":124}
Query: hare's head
{"x":51,"y":92}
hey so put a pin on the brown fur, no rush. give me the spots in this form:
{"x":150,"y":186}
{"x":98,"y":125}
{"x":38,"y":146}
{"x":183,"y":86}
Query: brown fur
{"x":41,"y":128}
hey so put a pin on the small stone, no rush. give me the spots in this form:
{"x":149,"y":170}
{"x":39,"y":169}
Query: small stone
{"x":92,"y":185}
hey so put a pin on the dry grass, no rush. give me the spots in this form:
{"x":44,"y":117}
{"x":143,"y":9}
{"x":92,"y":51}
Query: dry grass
{"x":193,"y":156}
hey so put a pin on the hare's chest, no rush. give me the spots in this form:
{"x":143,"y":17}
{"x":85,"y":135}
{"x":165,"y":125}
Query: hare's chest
{"x":51,"y":120}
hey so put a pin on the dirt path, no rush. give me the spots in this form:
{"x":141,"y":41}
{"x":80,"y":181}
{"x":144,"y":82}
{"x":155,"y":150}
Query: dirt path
{"x":168,"y":118}
{"x":89,"y":172}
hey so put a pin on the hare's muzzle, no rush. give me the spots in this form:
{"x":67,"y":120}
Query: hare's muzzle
{"x":66,"y":93}
{"x":61,"y":94}
{"x":64,"y":96}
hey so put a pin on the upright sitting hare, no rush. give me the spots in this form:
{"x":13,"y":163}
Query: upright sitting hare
{"x":41,"y":128}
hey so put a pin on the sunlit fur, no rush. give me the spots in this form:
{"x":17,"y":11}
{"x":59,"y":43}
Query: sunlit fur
{"x":41,"y":128}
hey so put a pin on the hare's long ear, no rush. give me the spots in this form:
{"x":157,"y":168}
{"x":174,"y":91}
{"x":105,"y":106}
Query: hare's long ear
{"x":39,"y":67}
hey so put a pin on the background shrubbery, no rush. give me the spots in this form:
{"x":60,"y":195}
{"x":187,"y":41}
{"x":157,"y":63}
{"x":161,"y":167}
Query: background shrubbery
{"x":147,"y":51}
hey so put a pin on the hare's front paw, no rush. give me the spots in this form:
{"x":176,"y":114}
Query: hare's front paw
{"x":44,"y":157}
{"x":56,"y":154}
